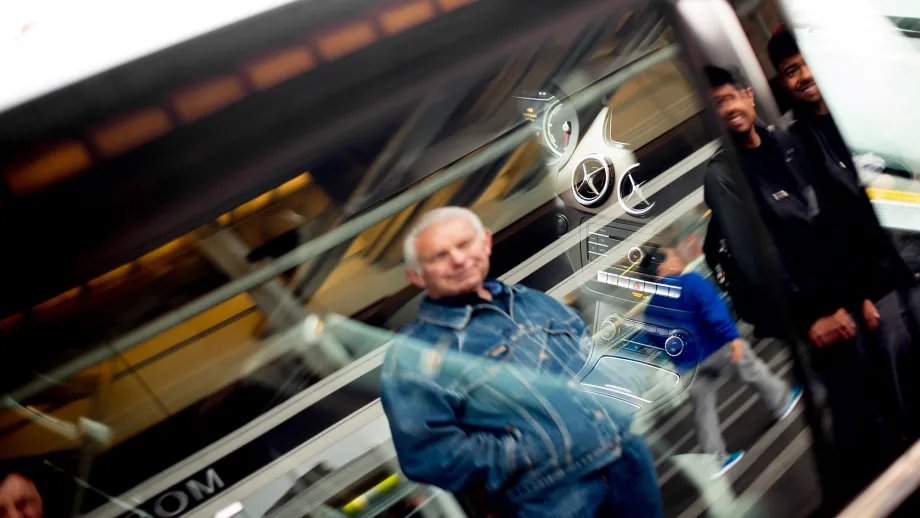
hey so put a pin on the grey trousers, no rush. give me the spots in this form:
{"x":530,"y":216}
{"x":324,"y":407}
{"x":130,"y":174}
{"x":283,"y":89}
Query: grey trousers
{"x":752,"y":371}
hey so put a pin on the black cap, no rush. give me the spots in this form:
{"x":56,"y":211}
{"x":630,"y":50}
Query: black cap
{"x":718,"y":76}
{"x":781,"y":47}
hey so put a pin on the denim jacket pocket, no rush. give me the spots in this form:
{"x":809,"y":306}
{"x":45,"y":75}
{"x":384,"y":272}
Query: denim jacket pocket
{"x":483,"y":369}
{"x":569,"y":349}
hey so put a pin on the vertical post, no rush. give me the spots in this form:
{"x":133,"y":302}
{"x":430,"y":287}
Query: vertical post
{"x":228,"y":252}
{"x":91,"y":446}
{"x":282,"y":310}
{"x":763,"y":25}
{"x":713,"y":28}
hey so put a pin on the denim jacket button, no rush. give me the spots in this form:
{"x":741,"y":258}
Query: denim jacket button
{"x":598,"y":414}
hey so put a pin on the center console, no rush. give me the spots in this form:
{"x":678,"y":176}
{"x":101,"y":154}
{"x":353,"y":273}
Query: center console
{"x":640,"y":328}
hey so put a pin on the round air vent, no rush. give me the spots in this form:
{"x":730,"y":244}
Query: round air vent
{"x":591,"y":180}
{"x":629,"y":192}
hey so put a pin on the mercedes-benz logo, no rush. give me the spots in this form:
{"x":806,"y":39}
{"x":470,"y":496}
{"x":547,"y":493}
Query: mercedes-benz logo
{"x":629,"y":191}
{"x":591,"y":180}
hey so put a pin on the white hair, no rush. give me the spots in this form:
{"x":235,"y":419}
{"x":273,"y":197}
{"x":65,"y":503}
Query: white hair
{"x":410,"y":254}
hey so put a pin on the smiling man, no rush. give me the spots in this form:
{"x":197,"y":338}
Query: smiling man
{"x":481,"y":390}
{"x":774,"y":164}
{"x":883,"y":287}
{"x":885,"y":277}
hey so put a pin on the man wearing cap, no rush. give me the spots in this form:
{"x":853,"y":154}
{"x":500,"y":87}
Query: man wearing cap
{"x":481,"y":389}
{"x":775,"y":167}
{"x":884,"y":280}
{"x":821,"y":269}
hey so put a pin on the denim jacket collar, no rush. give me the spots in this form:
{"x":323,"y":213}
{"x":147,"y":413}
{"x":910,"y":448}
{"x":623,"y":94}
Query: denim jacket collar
{"x":455,"y":317}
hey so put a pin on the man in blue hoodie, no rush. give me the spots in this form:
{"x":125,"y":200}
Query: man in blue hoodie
{"x":722,"y":351}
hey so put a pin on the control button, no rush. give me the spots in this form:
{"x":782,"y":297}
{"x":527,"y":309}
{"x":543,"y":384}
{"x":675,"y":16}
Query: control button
{"x":649,"y":288}
{"x":635,"y":255}
{"x":674,"y":345}
{"x":608,"y":330}
{"x":663,"y":290}
{"x":601,"y":276}
{"x":674,"y":293}
{"x":636,"y":284}
{"x":623,"y":281}
{"x":562,"y":224}
{"x":592,"y":248}
{"x":612,"y":278}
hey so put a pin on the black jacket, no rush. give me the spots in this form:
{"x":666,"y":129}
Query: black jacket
{"x":808,"y":245}
{"x":881,"y":267}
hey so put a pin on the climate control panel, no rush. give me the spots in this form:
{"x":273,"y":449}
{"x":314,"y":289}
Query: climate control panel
{"x":643,"y":337}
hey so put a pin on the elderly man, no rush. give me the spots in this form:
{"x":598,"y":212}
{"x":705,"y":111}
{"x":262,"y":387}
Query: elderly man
{"x":480,"y":390}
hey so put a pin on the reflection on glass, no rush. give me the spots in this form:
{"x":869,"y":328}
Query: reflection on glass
{"x":583,"y":153}
{"x":807,"y":194}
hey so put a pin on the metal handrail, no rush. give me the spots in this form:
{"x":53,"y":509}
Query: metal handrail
{"x":890,"y":489}
{"x":326,"y":242}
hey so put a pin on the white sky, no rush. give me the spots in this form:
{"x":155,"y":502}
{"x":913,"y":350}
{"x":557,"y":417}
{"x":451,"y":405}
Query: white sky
{"x":68,"y":40}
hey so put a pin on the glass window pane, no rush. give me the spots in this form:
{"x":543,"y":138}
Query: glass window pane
{"x":576,"y":133}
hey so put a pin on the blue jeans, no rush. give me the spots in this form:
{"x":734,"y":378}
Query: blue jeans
{"x":625,"y":488}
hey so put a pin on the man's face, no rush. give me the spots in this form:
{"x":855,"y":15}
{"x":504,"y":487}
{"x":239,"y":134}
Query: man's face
{"x":672,"y":263}
{"x":19,"y":498}
{"x":735,"y":107}
{"x":798,"y":80}
{"x":452,"y":257}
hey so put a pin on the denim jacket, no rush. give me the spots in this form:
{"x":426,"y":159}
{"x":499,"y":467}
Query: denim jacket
{"x":478,"y":395}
